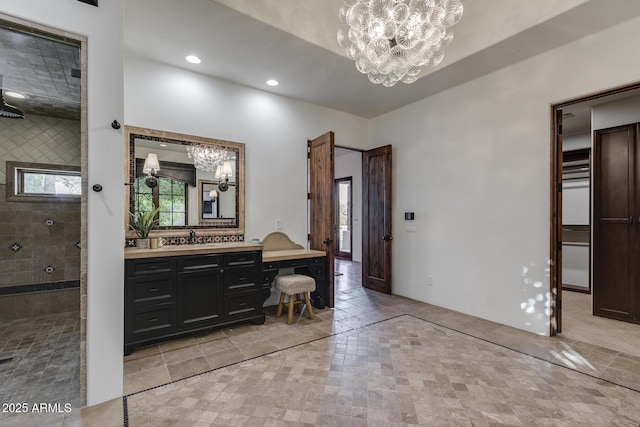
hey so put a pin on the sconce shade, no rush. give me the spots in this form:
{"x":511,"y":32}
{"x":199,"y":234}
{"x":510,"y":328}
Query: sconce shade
{"x":218,"y":172}
{"x":226,"y":169}
{"x":213,"y":194}
{"x":151,"y":164}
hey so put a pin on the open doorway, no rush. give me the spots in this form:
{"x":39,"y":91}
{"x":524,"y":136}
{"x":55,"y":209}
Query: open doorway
{"x":574,"y":251}
{"x":344,"y":203}
{"x":348,"y":178}
{"x":43,"y":173}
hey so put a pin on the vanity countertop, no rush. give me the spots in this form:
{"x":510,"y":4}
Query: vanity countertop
{"x":288,"y":254}
{"x":174,"y":250}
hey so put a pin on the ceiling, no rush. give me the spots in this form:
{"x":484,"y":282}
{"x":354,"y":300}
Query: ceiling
{"x":43,"y":70}
{"x":248,"y":42}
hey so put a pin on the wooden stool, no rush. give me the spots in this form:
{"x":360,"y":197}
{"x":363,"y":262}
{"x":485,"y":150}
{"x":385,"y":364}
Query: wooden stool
{"x":293,"y":285}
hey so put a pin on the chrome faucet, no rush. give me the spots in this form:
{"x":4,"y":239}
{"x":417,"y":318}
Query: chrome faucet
{"x":192,"y":236}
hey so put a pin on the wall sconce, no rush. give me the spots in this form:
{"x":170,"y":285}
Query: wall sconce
{"x":224,"y":171}
{"x":213,"y":195}
{"x":151,"y":167}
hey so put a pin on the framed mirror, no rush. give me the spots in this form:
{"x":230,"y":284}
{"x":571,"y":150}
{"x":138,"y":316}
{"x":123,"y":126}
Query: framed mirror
{"x":197,"y":182}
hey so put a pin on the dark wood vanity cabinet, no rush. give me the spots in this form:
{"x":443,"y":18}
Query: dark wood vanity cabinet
{"x":166,"y":297}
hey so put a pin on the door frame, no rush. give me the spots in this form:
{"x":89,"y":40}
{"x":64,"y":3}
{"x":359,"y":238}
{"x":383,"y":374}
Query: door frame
{"x":337,"y":181}
{"x":555,"y":231}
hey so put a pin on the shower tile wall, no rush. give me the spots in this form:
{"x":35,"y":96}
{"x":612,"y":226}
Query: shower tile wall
{"x":39,"y":242}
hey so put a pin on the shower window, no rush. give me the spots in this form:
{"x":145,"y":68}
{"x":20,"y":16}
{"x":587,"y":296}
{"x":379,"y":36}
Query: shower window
{"x":39,"y":182}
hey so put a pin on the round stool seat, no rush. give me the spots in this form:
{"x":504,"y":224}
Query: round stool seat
{"x":292,"y":284}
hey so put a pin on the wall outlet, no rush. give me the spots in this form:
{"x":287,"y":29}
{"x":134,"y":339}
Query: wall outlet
{"x":278,"y":224}
{"x":429,"y":280}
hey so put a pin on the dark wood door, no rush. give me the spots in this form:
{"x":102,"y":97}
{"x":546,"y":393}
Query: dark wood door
{"x":376,"y":219}
{"x":616,"y":216}
{"x":321,"y":204}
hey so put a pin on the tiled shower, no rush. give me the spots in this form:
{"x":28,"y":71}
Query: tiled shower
{"x":40,"y":250}
{"x":39,"y":241}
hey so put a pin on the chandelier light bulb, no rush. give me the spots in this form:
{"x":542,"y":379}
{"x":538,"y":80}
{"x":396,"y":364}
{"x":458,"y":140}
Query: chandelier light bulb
{"x":392,"y":40}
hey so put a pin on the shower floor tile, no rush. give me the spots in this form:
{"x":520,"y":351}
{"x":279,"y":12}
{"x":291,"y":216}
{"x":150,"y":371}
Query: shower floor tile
{"x":40,"y":360}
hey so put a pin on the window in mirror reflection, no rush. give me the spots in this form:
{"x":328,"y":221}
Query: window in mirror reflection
{"x":170,"y":195}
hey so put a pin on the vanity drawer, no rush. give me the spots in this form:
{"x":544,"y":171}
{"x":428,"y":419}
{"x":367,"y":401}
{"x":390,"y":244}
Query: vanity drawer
{"x":140,"y":267}
{"x":243,"y":258}
{"x":153,"y":321}
{"x":153,"y":289}
{"x":199,"y":262}
{"x":302,"y":262}
{"x":240,"y":304}
{"x":316,"y":271}
{"x":241,"y":278}
{"x":268,"y":276}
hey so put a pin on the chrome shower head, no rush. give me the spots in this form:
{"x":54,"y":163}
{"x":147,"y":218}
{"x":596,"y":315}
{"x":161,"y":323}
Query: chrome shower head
{"x":10,"y":111}
{"x":7,"y":110}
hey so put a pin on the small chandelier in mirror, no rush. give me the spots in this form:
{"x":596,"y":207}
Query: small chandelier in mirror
{"x":207,"y":157}
{"x":391,"y":40}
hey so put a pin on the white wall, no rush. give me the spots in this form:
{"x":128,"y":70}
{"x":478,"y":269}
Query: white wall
{"x":473,"y":161}
{"x":275,"y":130}
{"x":350,"y":165}
{"x":616,"y":113}
{"x":103,"y":28}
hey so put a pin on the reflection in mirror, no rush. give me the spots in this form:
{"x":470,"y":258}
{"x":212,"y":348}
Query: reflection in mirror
{"x":178,"y":173}
{"x":215,"y":203}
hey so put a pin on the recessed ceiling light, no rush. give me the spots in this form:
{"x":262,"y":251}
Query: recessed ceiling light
{"x":273,"y":82}
{"x":14,"y":95}
{"x":193,"y":59}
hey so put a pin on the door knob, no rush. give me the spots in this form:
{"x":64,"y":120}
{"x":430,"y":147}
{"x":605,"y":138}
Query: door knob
{"x":387,"y":238}
{"x":327,"y":241}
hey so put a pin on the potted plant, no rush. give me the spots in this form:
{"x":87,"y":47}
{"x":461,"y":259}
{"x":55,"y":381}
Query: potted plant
{"x":142,"y":223}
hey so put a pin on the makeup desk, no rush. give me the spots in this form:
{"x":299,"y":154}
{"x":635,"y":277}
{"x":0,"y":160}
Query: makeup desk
{"x":279,"y":252}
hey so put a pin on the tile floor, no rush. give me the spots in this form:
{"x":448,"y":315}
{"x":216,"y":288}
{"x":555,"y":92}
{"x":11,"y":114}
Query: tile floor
{"x":40,"y":359}
{"x":397,"y":372}
{"x":373,"y":360}
{"x":579,"y":324}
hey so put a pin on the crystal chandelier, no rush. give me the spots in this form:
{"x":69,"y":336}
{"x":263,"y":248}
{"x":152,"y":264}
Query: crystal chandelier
{"x":206,"y":157}
{"x":391,"y":40}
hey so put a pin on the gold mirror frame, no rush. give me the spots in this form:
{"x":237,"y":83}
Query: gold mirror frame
{"x":211,"y":226}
